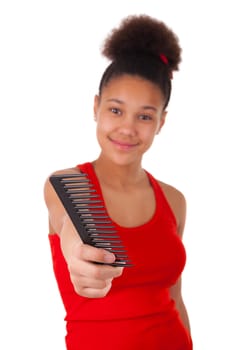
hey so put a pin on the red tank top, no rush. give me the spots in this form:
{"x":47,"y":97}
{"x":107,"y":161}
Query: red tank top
{"x":137,"y":313}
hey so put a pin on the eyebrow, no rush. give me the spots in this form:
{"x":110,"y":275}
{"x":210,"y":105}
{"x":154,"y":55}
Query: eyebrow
{"x":115,"y":100}
{"x":121,"y":102}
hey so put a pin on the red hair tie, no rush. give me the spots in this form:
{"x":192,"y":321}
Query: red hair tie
{"x":163,"y":58}
{"x":165,"y":61}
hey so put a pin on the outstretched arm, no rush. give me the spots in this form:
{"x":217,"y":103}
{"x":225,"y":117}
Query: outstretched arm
{"x":88,"y":278}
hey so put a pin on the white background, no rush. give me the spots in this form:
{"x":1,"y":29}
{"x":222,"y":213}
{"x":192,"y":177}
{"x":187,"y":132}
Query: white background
{"x":50,"y":67}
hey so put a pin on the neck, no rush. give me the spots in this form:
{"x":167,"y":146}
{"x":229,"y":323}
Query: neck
{"x":118,"y":176}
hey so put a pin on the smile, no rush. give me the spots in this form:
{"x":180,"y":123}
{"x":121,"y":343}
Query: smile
{"x":123,"y":145}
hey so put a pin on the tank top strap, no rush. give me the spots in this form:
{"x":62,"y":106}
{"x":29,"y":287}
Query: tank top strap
{"x":161,"y":197}
{"x":85,"y":167}
{"x":88,"y":169}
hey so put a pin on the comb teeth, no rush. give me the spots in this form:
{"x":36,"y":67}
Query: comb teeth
{"x":88,"y":214}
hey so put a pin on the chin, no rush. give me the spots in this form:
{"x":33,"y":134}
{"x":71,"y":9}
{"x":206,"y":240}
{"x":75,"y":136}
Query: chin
{"x":124,"y":160}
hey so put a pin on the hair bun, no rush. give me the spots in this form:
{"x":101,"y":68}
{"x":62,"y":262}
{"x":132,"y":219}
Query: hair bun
{"x":143,"y":35}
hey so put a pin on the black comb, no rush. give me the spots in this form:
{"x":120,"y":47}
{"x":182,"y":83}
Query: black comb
{"x":88,"y":214}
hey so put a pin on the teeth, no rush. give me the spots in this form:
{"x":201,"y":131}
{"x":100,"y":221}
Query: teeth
{"x":88,"y":214}
{"x":90,"y":220}
{"x":85,"y":206}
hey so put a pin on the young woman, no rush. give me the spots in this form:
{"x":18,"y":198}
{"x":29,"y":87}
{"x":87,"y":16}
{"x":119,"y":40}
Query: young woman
{"x":138,"y":307}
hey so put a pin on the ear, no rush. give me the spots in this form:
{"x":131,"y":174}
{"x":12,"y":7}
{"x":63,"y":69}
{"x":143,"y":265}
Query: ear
{"x":96,"y":104}
{"x":162,"y":121}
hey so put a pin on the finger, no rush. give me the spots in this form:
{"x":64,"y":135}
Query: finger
{"x":94,"y":293}
{"x":89,"y":253}
{"x":86,"y":282}
{"x":81,"y":268}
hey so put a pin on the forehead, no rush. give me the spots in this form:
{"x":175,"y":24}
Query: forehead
{"x":127,"y":87}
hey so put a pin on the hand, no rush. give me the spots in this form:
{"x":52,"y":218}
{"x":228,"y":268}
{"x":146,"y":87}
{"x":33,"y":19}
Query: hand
{"x":90,"y":279}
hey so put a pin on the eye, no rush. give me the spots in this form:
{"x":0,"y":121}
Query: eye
{"x":115,"y":110}
{"x":145,"y":117}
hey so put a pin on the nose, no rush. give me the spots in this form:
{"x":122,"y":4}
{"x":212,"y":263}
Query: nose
{"x":128,"y":126}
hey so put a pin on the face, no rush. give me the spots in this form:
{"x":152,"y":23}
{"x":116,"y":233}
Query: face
{"x":129,"y":113}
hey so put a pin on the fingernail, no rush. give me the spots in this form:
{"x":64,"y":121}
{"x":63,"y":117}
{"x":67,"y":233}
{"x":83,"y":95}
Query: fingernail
{"x":109,"y":257}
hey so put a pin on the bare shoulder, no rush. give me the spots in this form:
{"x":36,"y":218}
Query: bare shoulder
{"x":48,"y":190}
{"x":73,"y":170}
{"x":172,"y":193}
{"x":55,"y":208}
{"x":177,"y":202}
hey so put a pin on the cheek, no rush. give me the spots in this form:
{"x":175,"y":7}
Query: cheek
{"x":149,"y":134}
{"x":105,"y":123}
{"x":103,"y":128}
{"x":102,"y":125}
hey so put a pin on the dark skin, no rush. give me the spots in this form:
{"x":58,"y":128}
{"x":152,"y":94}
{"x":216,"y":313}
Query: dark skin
{"x":129,"y":113}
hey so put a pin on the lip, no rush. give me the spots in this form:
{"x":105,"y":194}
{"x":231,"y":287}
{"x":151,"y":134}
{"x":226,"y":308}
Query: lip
{"x":123,"y":145}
